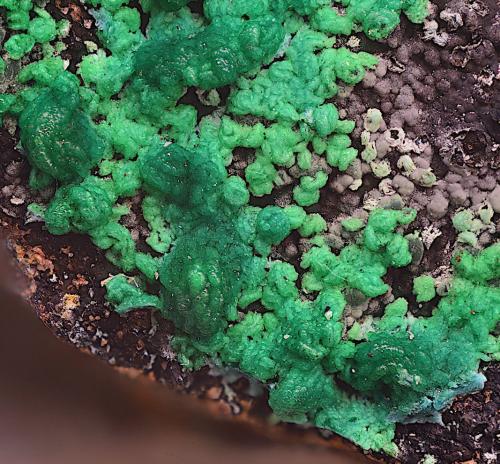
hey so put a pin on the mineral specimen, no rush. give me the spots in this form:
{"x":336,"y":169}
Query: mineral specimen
{"x":121,"y":129}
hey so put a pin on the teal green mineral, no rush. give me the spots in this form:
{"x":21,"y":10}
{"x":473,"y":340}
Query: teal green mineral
{"x":202,"y":278}
{"x":79,"y":207}
{"x":60,"y":139}
{"x":212,"y":58}
{"x":421,"y":364}
{"x":170,"y":5}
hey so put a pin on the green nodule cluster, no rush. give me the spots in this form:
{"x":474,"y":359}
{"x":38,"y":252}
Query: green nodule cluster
{"x":118,"y":132}
{"x":214,"y":57}
{"x":31,"y":25}
{"x":202,"y":278}
{"x":60,"y":139}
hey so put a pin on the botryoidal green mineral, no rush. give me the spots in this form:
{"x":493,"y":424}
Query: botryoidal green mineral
{"x":60,"y":139}
{"x":118,"y":130}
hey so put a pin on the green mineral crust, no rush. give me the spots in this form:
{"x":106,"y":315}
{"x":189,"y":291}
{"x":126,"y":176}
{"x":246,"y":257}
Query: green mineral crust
{"x":119,"y":129}
{"x":60,"y":139}
{"x":423,"y":288}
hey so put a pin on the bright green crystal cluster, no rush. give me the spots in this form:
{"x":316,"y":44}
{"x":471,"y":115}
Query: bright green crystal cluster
{"x":116,"y":130}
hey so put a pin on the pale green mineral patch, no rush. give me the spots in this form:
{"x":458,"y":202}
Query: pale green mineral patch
{"x":424,"y":288}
